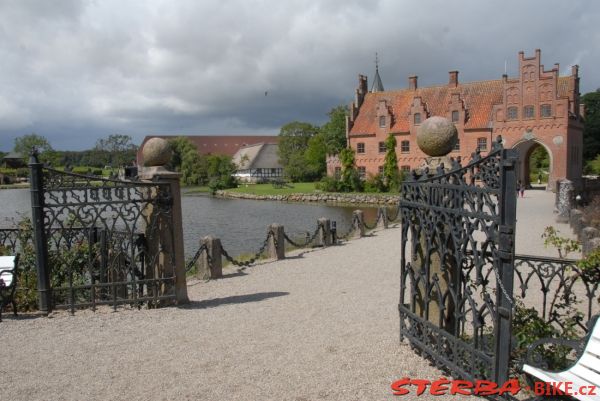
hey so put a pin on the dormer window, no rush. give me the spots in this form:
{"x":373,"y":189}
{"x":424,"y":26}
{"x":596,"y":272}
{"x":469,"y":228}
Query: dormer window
{"x":454,"y":116}
{"x":417,"y":118}
{"x":382,"y":121}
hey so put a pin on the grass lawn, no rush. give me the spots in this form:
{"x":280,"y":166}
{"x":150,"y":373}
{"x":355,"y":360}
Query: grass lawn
{"x":268,"y":189}
{"x":196,"y":189}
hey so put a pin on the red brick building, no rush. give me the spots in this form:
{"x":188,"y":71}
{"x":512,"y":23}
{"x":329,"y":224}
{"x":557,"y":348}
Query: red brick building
{"x":537,"y":108}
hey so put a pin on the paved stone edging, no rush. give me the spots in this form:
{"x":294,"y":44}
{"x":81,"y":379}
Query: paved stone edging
{"x":320,"y":197}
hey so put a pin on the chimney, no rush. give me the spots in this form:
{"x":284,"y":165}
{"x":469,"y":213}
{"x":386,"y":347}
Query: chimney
{"x":575,"y":70}
{"x":453,"y":79}
{"x":412,"y":82}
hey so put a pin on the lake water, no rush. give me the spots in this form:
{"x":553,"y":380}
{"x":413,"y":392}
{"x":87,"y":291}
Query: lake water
{"x":240,"y":224}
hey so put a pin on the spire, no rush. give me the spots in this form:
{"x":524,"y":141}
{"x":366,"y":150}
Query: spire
{"x":377,"y":85}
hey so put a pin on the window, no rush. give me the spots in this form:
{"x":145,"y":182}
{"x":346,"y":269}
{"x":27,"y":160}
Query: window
{"x":380,"y":169}
{"x":417,"y":118}
{"x":337,"y":172}
{"x":405,"y":168}
{"x":405,"y":146}
{"x":382,"y":121}
{"x":455,"y":116}
{"x":546,"y":110}
{"x":457,"y":145}
{"x":482,"y":143}
{"x":382,"y":148}
{"x":362,"y":172}
{"x":360,"y":147}
{"x":528,"y":112}
{"x":512,"y":113}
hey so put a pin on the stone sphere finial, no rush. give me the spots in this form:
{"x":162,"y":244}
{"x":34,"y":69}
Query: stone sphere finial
{"x":437,"y":136}
{"x":156,"y":152}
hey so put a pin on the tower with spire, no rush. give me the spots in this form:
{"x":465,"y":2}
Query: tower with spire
{"x":377,"y":85}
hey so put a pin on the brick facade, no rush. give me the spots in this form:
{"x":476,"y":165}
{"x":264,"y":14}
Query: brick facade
{"x":536,"y":108}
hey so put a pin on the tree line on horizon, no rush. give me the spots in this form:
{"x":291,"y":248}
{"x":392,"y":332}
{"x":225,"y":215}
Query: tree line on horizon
{"x":303,"y":149}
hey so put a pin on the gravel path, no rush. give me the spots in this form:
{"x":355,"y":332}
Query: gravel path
{"x":320,"y":325}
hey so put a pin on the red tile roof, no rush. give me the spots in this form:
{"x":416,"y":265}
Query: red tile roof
{"x":479,"y":99}
{"x":219,"y":144}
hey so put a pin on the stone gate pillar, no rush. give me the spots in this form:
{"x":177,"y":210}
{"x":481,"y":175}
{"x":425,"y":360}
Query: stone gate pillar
{"x":436,"y":137}
{"x":156,"y":154}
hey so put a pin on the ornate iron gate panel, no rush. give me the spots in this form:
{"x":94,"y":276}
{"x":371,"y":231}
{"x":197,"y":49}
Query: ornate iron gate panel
{"x":457,"y":227}
{"x":101,"y":241}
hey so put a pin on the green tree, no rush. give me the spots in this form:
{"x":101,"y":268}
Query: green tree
{"x":186,"y":160}
{"x":116,"y":150}
{"x":391,"y":174}
{"x":293,"y":143}
{"x":315,"y":157}
{"x":220,"y":170}
{"x":24,"y":144}
{"x":334,"y":131}
{"x":591,"y":128}
{"x":350,"y":179}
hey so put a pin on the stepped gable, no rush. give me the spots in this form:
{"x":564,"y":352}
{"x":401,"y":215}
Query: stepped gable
{"x":479,"y":99}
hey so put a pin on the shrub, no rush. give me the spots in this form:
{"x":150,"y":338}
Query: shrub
{"x":375,"y":184}
{"x":328,"y":184}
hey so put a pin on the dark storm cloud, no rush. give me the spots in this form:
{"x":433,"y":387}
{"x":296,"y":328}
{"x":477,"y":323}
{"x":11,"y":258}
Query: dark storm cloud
{"x":75,"y":71}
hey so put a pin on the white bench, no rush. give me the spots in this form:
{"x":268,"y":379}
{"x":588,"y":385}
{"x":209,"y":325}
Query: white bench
{"x":8,"y":270}
{"x":585,"y":372}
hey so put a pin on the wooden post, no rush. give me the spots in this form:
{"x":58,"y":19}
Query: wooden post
{"x":210,"y":264}
{"x":325,"y":233}
{"x":276,"y":244}
{"x":383,"y":217}
{"x":358,"y":221}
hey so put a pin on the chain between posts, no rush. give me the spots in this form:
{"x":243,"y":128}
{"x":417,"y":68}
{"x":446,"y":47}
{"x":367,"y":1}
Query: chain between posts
{"x":353,"y":226}
{"x":309,"y":240}
{"x":390,"y":219}
{"x":247,"y":263}
{"x":196,"y":256}
{"x":379,"y":216}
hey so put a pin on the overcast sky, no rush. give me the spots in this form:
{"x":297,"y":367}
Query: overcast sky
{"x":76,"y":71}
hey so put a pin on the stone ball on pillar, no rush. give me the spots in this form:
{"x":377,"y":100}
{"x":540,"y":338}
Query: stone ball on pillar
{"x":156,"y":152}
{"x":437,"y":136}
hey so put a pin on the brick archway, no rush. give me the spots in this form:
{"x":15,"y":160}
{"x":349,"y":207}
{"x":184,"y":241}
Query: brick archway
{"x":525,"y":148}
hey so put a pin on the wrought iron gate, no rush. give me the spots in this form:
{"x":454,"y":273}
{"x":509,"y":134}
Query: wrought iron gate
{"x":101,"y":241}
{"x":457,"y":228}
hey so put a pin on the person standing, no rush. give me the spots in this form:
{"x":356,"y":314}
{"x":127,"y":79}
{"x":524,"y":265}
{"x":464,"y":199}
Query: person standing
{"x":521,"y":189}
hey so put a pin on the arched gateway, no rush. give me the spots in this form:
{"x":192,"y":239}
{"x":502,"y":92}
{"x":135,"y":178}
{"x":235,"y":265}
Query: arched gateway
{"x":527,"y":172}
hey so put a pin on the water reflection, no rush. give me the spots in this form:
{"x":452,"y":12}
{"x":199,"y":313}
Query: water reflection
{"x":241,"y":224}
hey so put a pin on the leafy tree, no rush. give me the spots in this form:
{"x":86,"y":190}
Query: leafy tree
{"x":220,"y":172}
{"x":24,"y":144}
{"x":293,"y":143}
{"x":591,"y":128}
{"x":391,"y":174}
{"x":315,"y":156}
{"x":350,"y":179}
{"x":116,"y":150}
{"x":185,"y":159}
{"x":334,"y":131}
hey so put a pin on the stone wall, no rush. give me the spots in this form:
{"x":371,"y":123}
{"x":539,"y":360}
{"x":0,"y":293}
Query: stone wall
{"x":391,"y":200}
